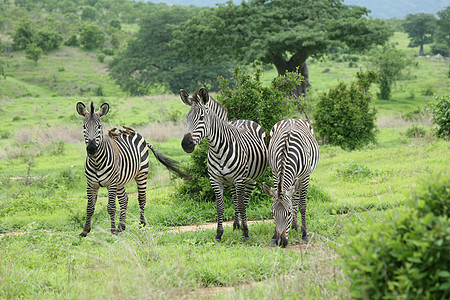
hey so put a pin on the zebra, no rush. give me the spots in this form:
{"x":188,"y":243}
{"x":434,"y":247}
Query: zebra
{"x":237,"y":154}
{"x":112,"y":161}
{"x":293,"y":156}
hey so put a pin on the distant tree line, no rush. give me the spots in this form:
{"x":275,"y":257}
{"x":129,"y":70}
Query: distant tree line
{"x":187,"y":46}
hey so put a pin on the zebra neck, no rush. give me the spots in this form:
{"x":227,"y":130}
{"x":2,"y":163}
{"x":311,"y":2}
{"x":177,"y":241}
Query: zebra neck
{"x":100,"y":158}
{"x":220,"y":135}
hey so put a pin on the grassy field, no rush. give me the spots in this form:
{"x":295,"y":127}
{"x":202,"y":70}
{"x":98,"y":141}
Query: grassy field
{"x":43,"y":201}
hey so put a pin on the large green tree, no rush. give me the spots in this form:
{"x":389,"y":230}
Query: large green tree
{"x":149,"y":59}
{"x":442,"y":34}
{"x":284,"y":33}
{"x":420,"y":29}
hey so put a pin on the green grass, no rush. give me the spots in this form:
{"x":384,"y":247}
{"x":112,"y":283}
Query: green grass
{"x":43,"y":193}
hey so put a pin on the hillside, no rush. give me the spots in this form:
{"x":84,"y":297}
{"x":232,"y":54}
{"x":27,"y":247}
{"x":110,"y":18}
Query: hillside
{"x":383,"y":9}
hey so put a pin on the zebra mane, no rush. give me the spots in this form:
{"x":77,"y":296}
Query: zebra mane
{"x":214,"y":105}
{"x":92,"y":107}
{"x":283,"y":155}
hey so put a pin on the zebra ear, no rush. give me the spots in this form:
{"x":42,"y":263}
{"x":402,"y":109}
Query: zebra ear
{"x":104,"y":108}
{"x":290,"y":192}
{"x":204,"y":95}
{"x":185,"y":97}
{"x":81,"y":109}
{"x":268,"y":190}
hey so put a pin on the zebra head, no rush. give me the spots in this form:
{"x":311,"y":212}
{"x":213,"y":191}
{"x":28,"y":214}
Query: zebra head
{"x":195,"y":118}
{"x":282,"y":211}
{"x":92,"y":125}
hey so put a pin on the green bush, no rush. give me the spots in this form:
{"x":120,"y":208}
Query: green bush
{"x":441,"y":116}
{"x":343,"y":115}
{"x":415,"y":131}
{"x":406,"y":255}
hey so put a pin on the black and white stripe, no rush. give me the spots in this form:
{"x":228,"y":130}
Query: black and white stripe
{"x":112,"y":162}
{"x":293,"y":156}
{"x":237,"y":153}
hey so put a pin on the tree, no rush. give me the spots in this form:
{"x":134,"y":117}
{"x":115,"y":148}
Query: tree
{"x":343,"y":115}
{"x":389,"y":63}
{"x":22,"y":35}
{"x":150,"y":60}
{"x":47,"y":39}
{"x":420,"y":29}
{"x":33,"y":52}
{"x":91,"y":36}
{"x":88,"y":13}
{"x":442,"y":34}
{"x":284,"y":33}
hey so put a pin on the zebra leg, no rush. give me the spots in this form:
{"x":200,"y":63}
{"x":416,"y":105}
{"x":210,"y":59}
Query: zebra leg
{"x":295,"y":205}
{"x":303,"y":192}
{"x":123,"y":202}
{"x":141,"y":181}
{"x":218,"y":191}
{"x":92,"y":199}
{"x":244,"y":192}
{"x":236,"y":224}
{"x":112,"y":193}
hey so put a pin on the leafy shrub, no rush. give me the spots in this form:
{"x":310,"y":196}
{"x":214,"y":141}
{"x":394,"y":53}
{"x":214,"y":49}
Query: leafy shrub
{"x":441,"y":116}
{"x":47,"y":39}
{"x":343,"y":115}
{"x":414,"y":115}
{"x":246,"y":98}
{"x":415,"y":131}
{"x":406,"y":255}
{"x":428,"y":91}
{"x":72,"y":41}
{"x":101,"y":57}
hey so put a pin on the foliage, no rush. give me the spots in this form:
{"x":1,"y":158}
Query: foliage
{"x":440,"y":109}
{"x":442,"y":34}
{"x":405,"y":255}
{"x":389,"y":63}
{"x":47,"y":39}
{"x":33,"y":52}
{"x":72,"y":41}
{"x":415,"y":131}
{"x":247,"y":99}
{"x":22,"y":35}
{"x":344,"y":117}
{"x":308,"y":29}
{"x":91,"y":36}
{"x":420,"y":28}
{"x":149,"y":59}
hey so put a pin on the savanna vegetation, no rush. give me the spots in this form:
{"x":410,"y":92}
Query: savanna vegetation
{"x":377,"y":215}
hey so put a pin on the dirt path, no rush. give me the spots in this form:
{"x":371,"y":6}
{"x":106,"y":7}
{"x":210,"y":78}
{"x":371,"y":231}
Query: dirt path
{"x":210,"y":225}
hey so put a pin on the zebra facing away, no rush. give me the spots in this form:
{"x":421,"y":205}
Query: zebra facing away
{"x":237,"y":153}
{"x":293,"y":156}
{"x":112,"y":161}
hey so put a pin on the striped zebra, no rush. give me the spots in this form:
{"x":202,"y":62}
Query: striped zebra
{"x":293,"y":156}
{"x":112,"y":161}
{"x":237,"y":154}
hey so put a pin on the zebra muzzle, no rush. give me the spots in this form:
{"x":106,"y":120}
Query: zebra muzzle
{"x":187,"y":143}
{"x":282,"y":239}
{"x":91,"y":148}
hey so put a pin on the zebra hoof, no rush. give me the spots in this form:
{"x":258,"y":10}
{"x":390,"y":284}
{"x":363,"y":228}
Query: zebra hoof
{"x":273,"y":242}
{"x":218,"y":240}
{"x":83,"y":234}
{"x":306,"y":238}
{"x":114,"y":231}
{"x":245,"y":239}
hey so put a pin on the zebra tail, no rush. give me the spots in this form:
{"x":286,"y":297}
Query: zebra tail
{"x":169,"y":163}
